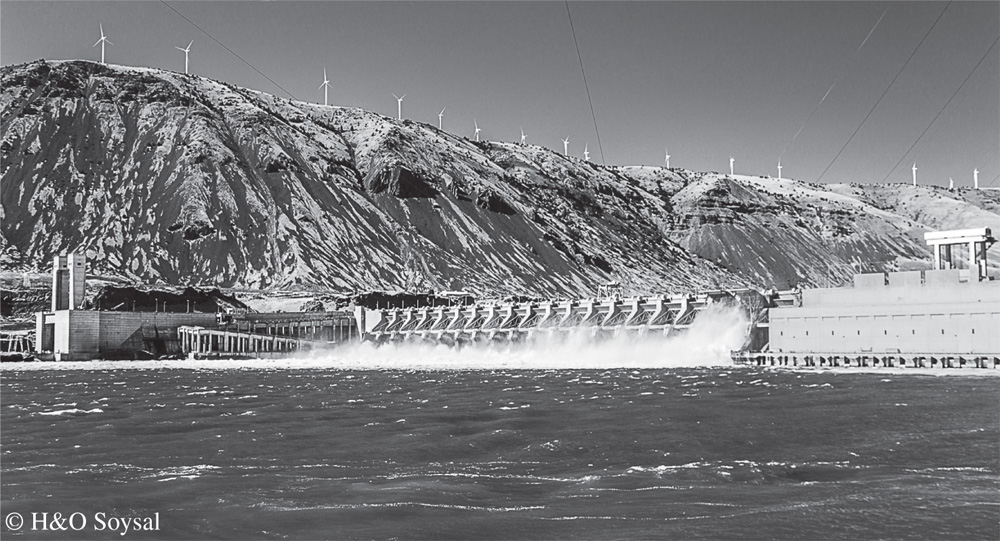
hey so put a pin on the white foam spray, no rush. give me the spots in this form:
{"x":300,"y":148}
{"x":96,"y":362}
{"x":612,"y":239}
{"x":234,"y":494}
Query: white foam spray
{"x":708,"y":342}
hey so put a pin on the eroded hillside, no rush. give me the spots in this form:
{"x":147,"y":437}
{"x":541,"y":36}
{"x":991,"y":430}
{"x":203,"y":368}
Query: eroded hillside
{"x":179,"y":179}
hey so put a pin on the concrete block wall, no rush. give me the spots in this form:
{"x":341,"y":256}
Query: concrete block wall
{"x":91,"y":332}
{"x":955,"y":318}
{"x":906,"y":279}
{"x":117,"y":327}
{"x":875,"y":279}
{"x":928,"y":293}
{"x":82,"y":329}
{"x":947,"y":329}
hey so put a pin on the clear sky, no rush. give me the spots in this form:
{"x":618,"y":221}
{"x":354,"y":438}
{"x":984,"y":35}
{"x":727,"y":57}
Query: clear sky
{"x":705,"y":79}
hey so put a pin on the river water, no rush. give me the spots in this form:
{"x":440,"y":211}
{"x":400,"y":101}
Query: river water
{"x":282,"y":451}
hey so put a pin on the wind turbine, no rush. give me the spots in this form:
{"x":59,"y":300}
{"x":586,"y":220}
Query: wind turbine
{"x":975,"y":178}
{"x":102,"y":41}
{"x":566,"y":146}
{"x":951,"y":183}
{"x":731,"y":160}
{"x":188,"y":50}
{"x":522,"y":136}
{"x":477,"y":128}
{"x":586,"y":155}
{"x":441,"y":117}
{"x":667,"y":152}
{"x":914,"y":173}
{"x":779,"y":169}
{"x":399,"y":106}
{"x":325,"y":86}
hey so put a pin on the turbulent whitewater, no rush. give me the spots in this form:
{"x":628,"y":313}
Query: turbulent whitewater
{"x":687,"y":453}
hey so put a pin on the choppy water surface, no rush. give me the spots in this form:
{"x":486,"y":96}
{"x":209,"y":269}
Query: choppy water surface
{"x":567,"y":454}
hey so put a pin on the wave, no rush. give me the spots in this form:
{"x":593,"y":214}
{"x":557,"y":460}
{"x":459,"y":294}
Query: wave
{"x":71,"y":411}
{"x":366,"y":505}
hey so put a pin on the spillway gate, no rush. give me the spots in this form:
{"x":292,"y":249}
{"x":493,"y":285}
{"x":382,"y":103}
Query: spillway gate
{"x":519,"y":321}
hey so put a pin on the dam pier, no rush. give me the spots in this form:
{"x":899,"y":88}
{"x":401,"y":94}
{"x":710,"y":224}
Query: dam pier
{"x":521,"y":321}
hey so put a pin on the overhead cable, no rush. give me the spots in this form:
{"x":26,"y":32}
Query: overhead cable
{"x":223,"y":45}
{"x":578,"y":55}
{"x":901,"y":158}
{"x":851,"y":138}
{"x":835,"y":81}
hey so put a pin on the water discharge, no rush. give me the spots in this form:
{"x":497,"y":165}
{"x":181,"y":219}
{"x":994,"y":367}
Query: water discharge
{"x":707,"y":342}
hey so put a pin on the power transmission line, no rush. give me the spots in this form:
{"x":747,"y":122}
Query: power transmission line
{"x":578,"y":55}
{"x":851,"y":138}
{"x":223,"y":45}
{"x":901,"y":158}
{"x":835,"y":81}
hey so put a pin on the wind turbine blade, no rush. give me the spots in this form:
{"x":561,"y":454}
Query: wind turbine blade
{"x":189,"y":45}
{"x":179,"y":49}
{"x":395,"y":96}
{"x":108,"y":41}
{"x":102,"y":30}
{"x":403,"y":96}
{"x":98,"y":42}
{"x":442,"y":111}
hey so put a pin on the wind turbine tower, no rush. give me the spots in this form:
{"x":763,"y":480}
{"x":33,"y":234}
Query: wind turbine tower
{"x":566,"y":146}
{"x":731,"y":160}
{"x":441,"y":118}
{"x":399,"y":106}
{"x":586,"y":155}
{"x":477,"y":129}
{"x":102,"y":41}
{"x":914,"y":173}
{"x":667,"y":152}
{"x":975,"y":178}
{"x":325,"y":86}
{"x":522,"y":136}
{"x":188,"y":50}
{"x":951,"y":183}
{"x":779,"y":169}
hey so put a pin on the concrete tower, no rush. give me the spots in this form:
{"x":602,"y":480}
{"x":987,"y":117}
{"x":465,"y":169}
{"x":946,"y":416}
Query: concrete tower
{"x":69,"y":278}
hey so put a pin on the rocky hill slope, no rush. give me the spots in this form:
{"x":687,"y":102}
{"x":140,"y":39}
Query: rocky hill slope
{"x":166,"y":177}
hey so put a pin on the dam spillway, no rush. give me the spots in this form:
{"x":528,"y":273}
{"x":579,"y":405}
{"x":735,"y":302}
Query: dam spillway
{"x":523,"y":321}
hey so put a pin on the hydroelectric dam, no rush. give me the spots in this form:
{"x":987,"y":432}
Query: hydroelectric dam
{"x":608,"y":317}
{"x":947,"y":316}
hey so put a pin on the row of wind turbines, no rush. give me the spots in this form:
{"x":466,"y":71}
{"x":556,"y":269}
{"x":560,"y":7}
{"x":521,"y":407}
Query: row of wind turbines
{"x":325,"y":86}
{"x":187,"y":50}
{"x":586,"y":153}
{"x":399,"y":116}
